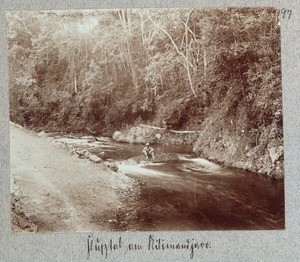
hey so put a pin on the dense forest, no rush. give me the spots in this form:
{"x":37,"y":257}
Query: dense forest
{"x":217,"y":71}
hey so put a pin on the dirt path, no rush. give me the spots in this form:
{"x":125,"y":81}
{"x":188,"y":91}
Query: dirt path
{"x":59,"y":191}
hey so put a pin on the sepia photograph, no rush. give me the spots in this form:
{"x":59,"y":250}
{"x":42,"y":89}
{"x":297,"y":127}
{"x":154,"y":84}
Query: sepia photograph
{"x":145,"y":120}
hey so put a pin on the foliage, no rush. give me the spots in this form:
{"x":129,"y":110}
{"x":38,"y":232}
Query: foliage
{"x":104,"y":70}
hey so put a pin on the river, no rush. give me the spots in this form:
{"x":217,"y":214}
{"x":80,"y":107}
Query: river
{"x":190,"y":193}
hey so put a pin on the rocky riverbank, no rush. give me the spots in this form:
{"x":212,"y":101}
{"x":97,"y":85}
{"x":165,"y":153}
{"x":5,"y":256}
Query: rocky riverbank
{"x":155,"y":135}
{"x":260,"y":153}
{"x":263,"y":155}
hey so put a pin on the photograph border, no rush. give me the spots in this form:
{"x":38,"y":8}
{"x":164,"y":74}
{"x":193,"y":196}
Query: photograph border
{"x":271,"y":245}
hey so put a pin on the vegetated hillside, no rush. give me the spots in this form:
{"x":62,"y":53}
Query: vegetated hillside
{"x":213,"y":70}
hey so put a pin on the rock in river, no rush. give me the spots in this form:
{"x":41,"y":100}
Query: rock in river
{"x":42,"y":134}
{"x":95,"y":158}
{"x":102,"y":154}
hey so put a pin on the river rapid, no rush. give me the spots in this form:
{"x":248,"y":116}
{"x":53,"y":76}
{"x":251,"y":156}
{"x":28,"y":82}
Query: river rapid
{"x":189,"y":193}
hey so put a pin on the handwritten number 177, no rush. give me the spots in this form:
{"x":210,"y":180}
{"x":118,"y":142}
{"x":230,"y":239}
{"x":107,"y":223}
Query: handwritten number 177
{"x":286,"y":13}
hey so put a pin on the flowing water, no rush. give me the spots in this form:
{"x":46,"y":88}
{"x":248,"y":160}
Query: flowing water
{"x":191,"y":193}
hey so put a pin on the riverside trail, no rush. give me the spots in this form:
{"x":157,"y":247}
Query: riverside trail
{"x":60,"y":192}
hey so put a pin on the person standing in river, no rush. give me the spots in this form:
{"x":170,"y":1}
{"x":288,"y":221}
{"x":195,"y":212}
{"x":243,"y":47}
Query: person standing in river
{"x":148,"y":151}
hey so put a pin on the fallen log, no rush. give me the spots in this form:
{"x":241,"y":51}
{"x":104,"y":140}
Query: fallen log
{"x":153,"y":127}
{"x":171,"y":130}
{"x":184,"y":132}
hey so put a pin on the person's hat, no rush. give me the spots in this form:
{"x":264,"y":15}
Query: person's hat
{"x":147,"y":144}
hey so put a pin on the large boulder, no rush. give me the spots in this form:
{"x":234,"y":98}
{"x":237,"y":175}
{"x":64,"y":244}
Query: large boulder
{"x":141,"y":134}
{"x":117,"y":136}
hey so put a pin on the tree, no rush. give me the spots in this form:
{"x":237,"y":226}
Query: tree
{"x":185,"y":55}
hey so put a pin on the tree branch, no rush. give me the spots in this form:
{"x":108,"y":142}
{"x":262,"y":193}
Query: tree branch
{"x":171,"y":39}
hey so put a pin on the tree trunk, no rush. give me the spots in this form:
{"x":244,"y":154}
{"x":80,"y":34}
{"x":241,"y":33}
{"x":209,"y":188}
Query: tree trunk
{"x":75,"y":85}
{"x":125,"y":19}
{"x":186,"y":62}
{"x":204,"y":63}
